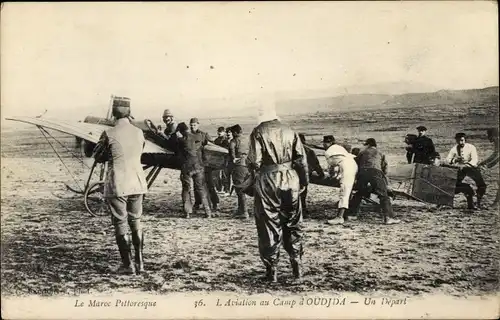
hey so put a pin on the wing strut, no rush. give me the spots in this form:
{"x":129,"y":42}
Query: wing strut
{"x":45,"y":133}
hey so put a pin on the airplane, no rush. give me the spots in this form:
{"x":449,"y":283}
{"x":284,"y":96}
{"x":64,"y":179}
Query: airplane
{"x":425,"y":183}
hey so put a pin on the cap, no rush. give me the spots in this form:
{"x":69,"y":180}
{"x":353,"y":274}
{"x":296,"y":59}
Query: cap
{"x":460,"y":135}
{"x":193,"y":120}
{"x":121,"y":107}
{"x":221,"y":129}
{"x":328,"y":139}
{"x":167,"y":113}
{"x":121,"y":102}
{"x":370,"y":142}
{"x":421,"y":128}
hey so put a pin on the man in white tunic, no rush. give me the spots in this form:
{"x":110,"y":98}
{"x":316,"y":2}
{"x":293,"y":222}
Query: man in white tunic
{"x":343,"y":167}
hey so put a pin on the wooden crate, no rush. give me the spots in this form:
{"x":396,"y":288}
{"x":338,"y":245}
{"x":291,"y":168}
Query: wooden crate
{"x":426,"y":183}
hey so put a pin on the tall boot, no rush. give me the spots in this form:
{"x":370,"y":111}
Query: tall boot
{"x":123,"y":242}
{"x":138,"y":241}
{"x":296,"y":268}
{"x":271,"y":274}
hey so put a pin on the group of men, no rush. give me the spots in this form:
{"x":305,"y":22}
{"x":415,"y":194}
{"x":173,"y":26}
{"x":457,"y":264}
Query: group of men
{"x":188,"y":144}
{"x":277,"y":162}
{"x":463,"y":155}
{"x":276,"y":159}
{"x":365,"y":168}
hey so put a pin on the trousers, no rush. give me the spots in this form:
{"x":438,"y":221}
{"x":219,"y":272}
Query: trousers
{"x":196,"y":178}
{"x":126,"y":209}
{"x":475,"y":174}
{"x":372,"y":180}
{"x":348,"y":171}
{"x":278,"y":215}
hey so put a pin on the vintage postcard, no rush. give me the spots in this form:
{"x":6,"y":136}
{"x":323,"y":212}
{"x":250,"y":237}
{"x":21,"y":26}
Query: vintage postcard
{"x":250,"y":160}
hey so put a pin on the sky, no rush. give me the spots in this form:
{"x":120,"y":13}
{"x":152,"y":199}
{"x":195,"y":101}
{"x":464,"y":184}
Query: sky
{"x":70,"y":57}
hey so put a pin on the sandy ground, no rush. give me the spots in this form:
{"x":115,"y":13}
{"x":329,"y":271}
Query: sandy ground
{"x":50,"y":243}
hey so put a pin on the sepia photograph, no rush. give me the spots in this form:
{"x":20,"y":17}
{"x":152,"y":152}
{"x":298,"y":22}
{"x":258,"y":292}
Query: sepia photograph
{"x":250,"y":160}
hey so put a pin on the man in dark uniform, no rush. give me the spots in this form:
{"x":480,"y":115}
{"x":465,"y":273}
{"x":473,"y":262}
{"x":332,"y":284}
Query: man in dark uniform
{"x":372,"y":168}
{"x":125,"y":182}
{"x":221,"y":141}
{"x":238,"y":158}
{"x":314,"y":166}
{"x":193,"y":169}
{"x":279,"y":160}
{"x":423,"y":147}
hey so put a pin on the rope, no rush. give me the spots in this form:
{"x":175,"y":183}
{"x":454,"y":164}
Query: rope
{"x":57,"y":153}
{"x":68,"y":150}
{"x":433,"y":185}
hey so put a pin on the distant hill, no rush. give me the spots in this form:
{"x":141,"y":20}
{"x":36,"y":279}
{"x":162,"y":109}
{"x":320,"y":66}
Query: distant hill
{"x":353,"y":102}
{"x":471,"y":96}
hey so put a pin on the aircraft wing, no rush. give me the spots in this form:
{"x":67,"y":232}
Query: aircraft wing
{"x":86,"y":131}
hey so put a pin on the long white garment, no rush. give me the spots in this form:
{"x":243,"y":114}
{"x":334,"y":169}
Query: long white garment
{"x":337,"y":156}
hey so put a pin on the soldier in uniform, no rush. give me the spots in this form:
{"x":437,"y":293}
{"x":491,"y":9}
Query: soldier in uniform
{"x":193,"y":169}
{"x":125,"y":183}
{"x":279,"y":160}
{"x":219,"y":175}
{"x":238,"y":156}
{"x":226,"y":182}
{"x":314,"y":166}
{"x":423,"y":147}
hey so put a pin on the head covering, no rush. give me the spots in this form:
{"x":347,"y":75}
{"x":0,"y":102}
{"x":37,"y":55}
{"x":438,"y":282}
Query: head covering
{"x":193,"y":120}
{"x":370,"y":142}
{"x":328,"y":139}
{"x":302,"y":137}
{"x":236,"y":129}
{"x":221,"y":129}
{"x":267,"y":111}
{"x":167,"y":113}
{"x":121,"y":107}
{"x":421,"y":128}
{"x":121,"y":102}
{"x":460,"y":135}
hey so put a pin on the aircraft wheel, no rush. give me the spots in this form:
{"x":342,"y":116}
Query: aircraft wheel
{"x":95,"y":203}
